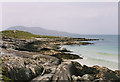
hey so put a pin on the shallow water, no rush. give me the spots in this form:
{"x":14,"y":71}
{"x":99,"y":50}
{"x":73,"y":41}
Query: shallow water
{"x":103,"y":52}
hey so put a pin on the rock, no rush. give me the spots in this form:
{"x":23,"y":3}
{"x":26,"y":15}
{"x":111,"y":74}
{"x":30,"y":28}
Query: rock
{"x":74,"y":78}
{"x":65,"y":50}
{"x":106,"y":73}
{"x":85,"y":43}
{"x":16,"y":69}
{"x":67,"y":56}
{"x":46,"y":78}
{"x":82,"y":70}
{"x":79,"y":78}
{"x":87,"y":77}
{"x":94,"y":72}
{"x":63,"y":72}
{"x":42,"y":59}
{"x":88,"y":70}
{"x":27,"y":67}
{"x":45,"y":49}
{"x":117,"y":73}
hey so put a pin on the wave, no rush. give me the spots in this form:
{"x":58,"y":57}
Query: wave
{"x":103,"y":53}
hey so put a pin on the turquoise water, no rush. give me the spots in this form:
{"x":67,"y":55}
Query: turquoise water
{"x":103,"y":52}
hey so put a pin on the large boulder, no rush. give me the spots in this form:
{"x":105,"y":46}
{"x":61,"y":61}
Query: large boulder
{"x":106,"y":73}
{"x":95,"y":73}
{"x":17,"y":68}
{"x":63,"y":72}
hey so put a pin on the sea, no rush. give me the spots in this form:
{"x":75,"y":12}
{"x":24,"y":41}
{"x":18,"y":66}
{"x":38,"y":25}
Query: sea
{"x":103,"y":52}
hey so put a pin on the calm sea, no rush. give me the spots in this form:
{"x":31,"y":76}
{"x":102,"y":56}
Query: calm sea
{"x":103,"y":52}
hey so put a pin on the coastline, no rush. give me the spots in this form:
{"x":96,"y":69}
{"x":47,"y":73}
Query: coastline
{"x":44,"y":60}
{"x":86,"y":61}
{"x":103,"y":53}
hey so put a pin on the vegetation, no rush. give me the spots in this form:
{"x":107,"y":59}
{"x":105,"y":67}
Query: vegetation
{"x":3,"y":77}
{"x":23,"y":35}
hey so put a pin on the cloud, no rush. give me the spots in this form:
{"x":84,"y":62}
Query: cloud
{"x":87,"y":18}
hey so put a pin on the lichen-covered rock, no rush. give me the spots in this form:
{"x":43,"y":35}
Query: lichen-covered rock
{"x":21,"y":65}
{"x":17,"y":69}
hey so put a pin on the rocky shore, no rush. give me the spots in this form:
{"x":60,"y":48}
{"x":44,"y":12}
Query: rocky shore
{"x":42,"y":59}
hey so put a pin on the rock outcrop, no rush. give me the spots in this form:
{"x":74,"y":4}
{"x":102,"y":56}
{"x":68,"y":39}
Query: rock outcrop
{"x":43,"y":60}
{"x":21,"y":65}
{"x":95,"y":73}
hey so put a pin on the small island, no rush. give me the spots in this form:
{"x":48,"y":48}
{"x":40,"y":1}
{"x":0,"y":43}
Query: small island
{"x":37,"y":58}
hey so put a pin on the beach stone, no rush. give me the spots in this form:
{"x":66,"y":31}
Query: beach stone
{"x":87,"y":77}
{"x":74,"y":77}
{"x":79,"y":78}
{"x":65,"y":50}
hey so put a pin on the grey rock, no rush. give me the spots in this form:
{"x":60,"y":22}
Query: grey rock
{"x":63,"y":72}
{"x":75,"y":78}
{"x":87,"y":77}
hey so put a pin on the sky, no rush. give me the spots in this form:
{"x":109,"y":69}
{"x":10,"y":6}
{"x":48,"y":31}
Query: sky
{"x":73,"y":17}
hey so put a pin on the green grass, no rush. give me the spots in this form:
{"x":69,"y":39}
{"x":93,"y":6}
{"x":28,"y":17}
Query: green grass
{"x":23,"y":35}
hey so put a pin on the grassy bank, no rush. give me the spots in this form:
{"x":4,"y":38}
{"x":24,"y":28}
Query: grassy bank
{"x":23,"y":35}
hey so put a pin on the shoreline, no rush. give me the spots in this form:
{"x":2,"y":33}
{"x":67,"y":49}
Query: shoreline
{"x":90,"y":62}
{"x":45,"y":60}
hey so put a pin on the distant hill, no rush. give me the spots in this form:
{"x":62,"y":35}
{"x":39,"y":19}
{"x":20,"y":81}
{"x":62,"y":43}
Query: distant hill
{"x":41,"y":31}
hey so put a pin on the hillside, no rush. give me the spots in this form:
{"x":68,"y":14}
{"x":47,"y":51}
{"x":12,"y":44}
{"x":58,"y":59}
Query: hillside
{"x":23,"y":35}
{"x":42,"y":31}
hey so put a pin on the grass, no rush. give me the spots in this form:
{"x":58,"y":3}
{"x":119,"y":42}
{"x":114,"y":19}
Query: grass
{"x":23,"y":35}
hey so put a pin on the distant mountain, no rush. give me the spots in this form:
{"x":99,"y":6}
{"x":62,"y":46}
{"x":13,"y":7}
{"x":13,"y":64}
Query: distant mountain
{"x":42,"y":31}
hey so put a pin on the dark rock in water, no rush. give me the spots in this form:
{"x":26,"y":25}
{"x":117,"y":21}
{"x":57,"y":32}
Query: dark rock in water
{"x":66,"y":56}
{"x":85,"y":43}
{"x":65,"y":50}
